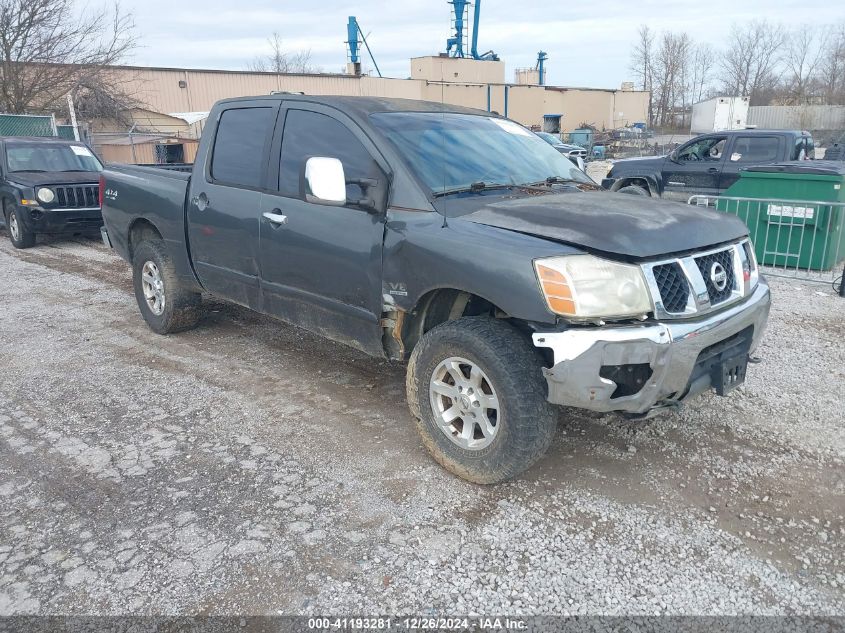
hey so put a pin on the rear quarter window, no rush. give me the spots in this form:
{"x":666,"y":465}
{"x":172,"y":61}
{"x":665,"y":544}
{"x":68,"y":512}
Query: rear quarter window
{"x":238,"y":157}
{"x":756,"y":149}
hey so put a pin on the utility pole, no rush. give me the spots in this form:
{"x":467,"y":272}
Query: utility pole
{"x":72,"y":111}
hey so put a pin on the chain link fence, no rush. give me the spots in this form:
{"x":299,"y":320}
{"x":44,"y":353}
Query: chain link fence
{"x":145,"y":148}
{"x":27,"y":125}
{"x":34,"y":125}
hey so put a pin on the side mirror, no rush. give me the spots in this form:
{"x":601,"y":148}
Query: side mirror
{"x":325,"y":182}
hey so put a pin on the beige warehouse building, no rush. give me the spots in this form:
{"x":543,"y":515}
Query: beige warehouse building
{"x":174,"y":99}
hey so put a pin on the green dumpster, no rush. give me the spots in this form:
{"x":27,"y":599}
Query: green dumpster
{"x":789,"y":225}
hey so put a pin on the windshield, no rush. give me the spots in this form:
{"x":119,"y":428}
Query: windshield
{"x":450,"y":151}
{"x":551,"y":139}
{"x":50,"y":157}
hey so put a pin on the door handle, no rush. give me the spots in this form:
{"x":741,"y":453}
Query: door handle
{"x":275,"y":216}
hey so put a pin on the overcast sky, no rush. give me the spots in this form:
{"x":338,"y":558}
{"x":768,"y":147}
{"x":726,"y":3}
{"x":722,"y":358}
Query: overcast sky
{"x":588,"y":42}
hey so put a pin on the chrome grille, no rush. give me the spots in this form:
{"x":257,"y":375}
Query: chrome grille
{"x":77,"y":196}
{"x":688,"y":286}
{"x":725,"y":259}
{"x":673,"y":286}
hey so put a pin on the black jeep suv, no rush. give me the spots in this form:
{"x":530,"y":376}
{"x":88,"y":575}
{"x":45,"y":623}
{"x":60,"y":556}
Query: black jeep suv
{"x":48,"y":185}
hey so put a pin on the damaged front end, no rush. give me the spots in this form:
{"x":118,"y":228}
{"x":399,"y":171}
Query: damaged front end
{"x":645,"y":368}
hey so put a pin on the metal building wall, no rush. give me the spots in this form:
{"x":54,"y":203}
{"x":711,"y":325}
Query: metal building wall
{"x":797,"y":117}
{"x":181,"y":90}
{"x":160,"y":89}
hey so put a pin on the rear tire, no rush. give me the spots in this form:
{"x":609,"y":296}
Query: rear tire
{"x":165,"y":305}
{"x":635,"y":190}
{"x":507,"y":373}
{"x":19,"y":235}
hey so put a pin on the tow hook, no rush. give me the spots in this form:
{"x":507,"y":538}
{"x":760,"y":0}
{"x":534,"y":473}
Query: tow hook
{"x":754,"y":360}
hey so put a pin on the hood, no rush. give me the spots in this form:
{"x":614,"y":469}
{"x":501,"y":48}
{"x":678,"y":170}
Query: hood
{"x":621,"y":224}
{"x":37,"y":179}
{"x":651,"y":162}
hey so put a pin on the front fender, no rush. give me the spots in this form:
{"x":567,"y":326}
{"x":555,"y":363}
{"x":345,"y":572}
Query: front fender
{"x":423,"y":251}
{"x":653,"y":181}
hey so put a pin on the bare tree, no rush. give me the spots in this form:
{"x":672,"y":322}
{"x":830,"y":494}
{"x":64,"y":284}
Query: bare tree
{"x":702,"y":64}
{"x":804,"y":53}
{"x":280,"y":61}
{"x":642,"y":64}
{"x":748,"y":66}
{"x":831,"y":71}
{"x":48,"y":49}
{"x":670,"y":78}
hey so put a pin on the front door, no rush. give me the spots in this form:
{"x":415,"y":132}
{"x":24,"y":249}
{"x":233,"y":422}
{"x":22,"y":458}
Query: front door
{"x":694,"y":168}
{"x":753,"y":149}
{"x":224,"y":201}
{"x":321,"y":265}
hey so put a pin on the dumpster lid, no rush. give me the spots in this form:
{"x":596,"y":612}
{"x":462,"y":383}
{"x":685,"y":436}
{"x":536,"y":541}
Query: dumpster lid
{"x":824,"y":167}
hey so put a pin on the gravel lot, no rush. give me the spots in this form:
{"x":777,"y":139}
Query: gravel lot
{"x":247,"y":467}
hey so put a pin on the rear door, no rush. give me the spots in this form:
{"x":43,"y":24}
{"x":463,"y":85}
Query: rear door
{"x":321,"y":268}
{"x":224,"y":201}
{"x":748,"y":150}
{"x":695,"y":168}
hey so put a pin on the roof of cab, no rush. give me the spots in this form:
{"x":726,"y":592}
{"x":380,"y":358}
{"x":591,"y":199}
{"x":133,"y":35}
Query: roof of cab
{"x":364,"y":106}
{"x":754,"y":130}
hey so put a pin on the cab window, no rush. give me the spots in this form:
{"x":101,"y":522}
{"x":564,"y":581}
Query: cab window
{"x":803,"y":149}
{"x":755,"y":149}
{"x":238,"y":157}
{"x":308,"y":134}
{"x":705,"y":149}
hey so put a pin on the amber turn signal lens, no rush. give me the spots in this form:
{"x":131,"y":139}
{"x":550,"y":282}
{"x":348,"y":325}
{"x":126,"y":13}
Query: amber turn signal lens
{"x":556,"y":289}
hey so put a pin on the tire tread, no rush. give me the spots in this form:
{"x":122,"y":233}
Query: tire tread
{"x":182,"y":307}
{"x":519,"y":373}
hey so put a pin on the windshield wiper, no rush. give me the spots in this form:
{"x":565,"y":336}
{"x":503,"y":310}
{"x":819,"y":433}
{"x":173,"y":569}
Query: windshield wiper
{"x":475,"y":187}
{"x":560,"y":180}
{"x":28,"y":171}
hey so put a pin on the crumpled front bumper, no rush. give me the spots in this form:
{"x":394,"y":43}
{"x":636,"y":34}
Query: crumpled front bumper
{"x":672,"y":350}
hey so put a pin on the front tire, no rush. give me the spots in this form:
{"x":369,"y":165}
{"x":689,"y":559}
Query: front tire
{"x":165,"y":305}
{"x":19,"y":235}
{"x":635,"y":190}
{"x":476,"y":389}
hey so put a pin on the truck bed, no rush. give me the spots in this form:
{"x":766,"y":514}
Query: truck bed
{"x":150,"y":171}
{"x":157,"y":195}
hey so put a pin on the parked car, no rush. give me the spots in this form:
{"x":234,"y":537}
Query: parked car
{"x":48,"y":185}
{"x":457,"y":241}
{"x":707,"y":164}
{"x":574,"y":153}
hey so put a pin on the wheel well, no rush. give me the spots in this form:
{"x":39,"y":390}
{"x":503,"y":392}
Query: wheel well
{"x":434,"y":308}
{"x":640,"y":182}
{"x":141,"y":230}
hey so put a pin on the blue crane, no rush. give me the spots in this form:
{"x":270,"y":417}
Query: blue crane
{"x":455,"y":44}
{"x":542,"y":57}
{"x":353,"y":30}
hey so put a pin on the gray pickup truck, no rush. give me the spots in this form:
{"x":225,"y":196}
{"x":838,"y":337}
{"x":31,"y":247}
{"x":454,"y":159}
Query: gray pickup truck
{"x":457,"y":241}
